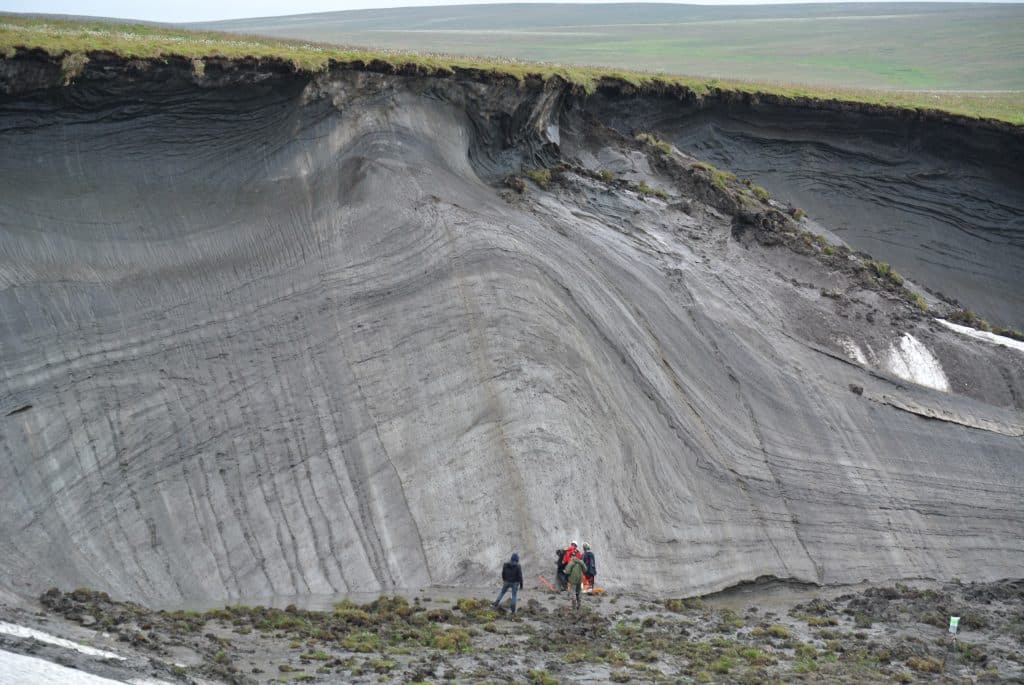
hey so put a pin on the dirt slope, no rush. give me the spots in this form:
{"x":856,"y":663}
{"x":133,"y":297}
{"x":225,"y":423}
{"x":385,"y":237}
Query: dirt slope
{"x":267,"y":333}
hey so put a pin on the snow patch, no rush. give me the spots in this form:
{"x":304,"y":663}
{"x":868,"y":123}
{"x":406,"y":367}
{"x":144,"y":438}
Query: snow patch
{"x":983,"y":335}
{"x":21,"y":631}
{"x":854,"y":352}
{"x":912,"y":361}
{"x":18,"y":669}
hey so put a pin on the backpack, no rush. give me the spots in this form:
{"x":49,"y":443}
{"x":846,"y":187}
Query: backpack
{"x":558,"y":556}
{"x":508,"y":572}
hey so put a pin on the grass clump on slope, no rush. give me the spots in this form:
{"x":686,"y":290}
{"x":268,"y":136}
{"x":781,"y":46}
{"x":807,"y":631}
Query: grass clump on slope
{"x":542,"y":177}
{"x":718,"y":177}
{"x":655,"y":142}
{"x":61,"y":37}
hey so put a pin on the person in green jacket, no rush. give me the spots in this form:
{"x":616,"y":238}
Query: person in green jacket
{"x":575,"y":570}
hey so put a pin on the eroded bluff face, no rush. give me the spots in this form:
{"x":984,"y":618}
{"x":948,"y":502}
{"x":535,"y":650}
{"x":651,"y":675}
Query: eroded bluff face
{"x":288,"y":337}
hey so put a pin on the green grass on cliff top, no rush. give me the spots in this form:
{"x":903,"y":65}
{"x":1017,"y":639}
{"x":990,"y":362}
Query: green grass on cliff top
{"x":155,"y":41}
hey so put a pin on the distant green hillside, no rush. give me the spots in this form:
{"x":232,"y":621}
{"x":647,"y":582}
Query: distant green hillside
{"x":75,"y":38}
{"x":919,"y":46}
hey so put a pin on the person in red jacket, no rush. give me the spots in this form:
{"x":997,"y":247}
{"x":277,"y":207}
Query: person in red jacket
{"x":571,"y":552}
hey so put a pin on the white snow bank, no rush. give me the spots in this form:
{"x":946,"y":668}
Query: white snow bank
{"x":23,"y":632}
{"x":18,"y":669}
{"x":854,"y":352}
{"x":912,"y":361}
{"x":982,"y":335}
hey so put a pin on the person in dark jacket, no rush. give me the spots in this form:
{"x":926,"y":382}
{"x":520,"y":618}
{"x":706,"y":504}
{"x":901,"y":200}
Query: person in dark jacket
{"x":561,"y":580}
{"x":590,"y":562}
{"x":512,"y":577}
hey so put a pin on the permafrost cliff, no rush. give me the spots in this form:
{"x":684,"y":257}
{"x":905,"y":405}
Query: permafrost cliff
{"x":272,"y":333}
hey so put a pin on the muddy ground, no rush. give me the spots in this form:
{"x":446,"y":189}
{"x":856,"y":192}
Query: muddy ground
{"x":756,"y":634}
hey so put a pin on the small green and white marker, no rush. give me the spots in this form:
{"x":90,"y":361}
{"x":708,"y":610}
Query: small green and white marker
{"x":954,"y":623}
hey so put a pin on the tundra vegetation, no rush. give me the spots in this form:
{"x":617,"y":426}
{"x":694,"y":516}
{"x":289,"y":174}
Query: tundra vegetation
{"x":860,"y":46}
{"x":882,"y":634}
{"x":79,"y":38}
{"x":718,"y":177}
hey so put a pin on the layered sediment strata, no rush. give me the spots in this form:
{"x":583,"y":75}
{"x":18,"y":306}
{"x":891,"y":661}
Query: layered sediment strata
{"x":274,"y":333}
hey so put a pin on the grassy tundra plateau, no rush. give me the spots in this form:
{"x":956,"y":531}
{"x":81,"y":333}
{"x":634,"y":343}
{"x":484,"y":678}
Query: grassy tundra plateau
{"x":890,"y":46}
{"x":973,"y":70}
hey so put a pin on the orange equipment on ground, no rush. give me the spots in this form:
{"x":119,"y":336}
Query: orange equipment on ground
{"x":588,"y":586}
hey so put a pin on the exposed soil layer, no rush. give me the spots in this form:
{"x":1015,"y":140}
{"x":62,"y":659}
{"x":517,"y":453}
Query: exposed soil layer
{"x":269,"y":333}
{"x":942,"y":199}
{"x":871,"y":635}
